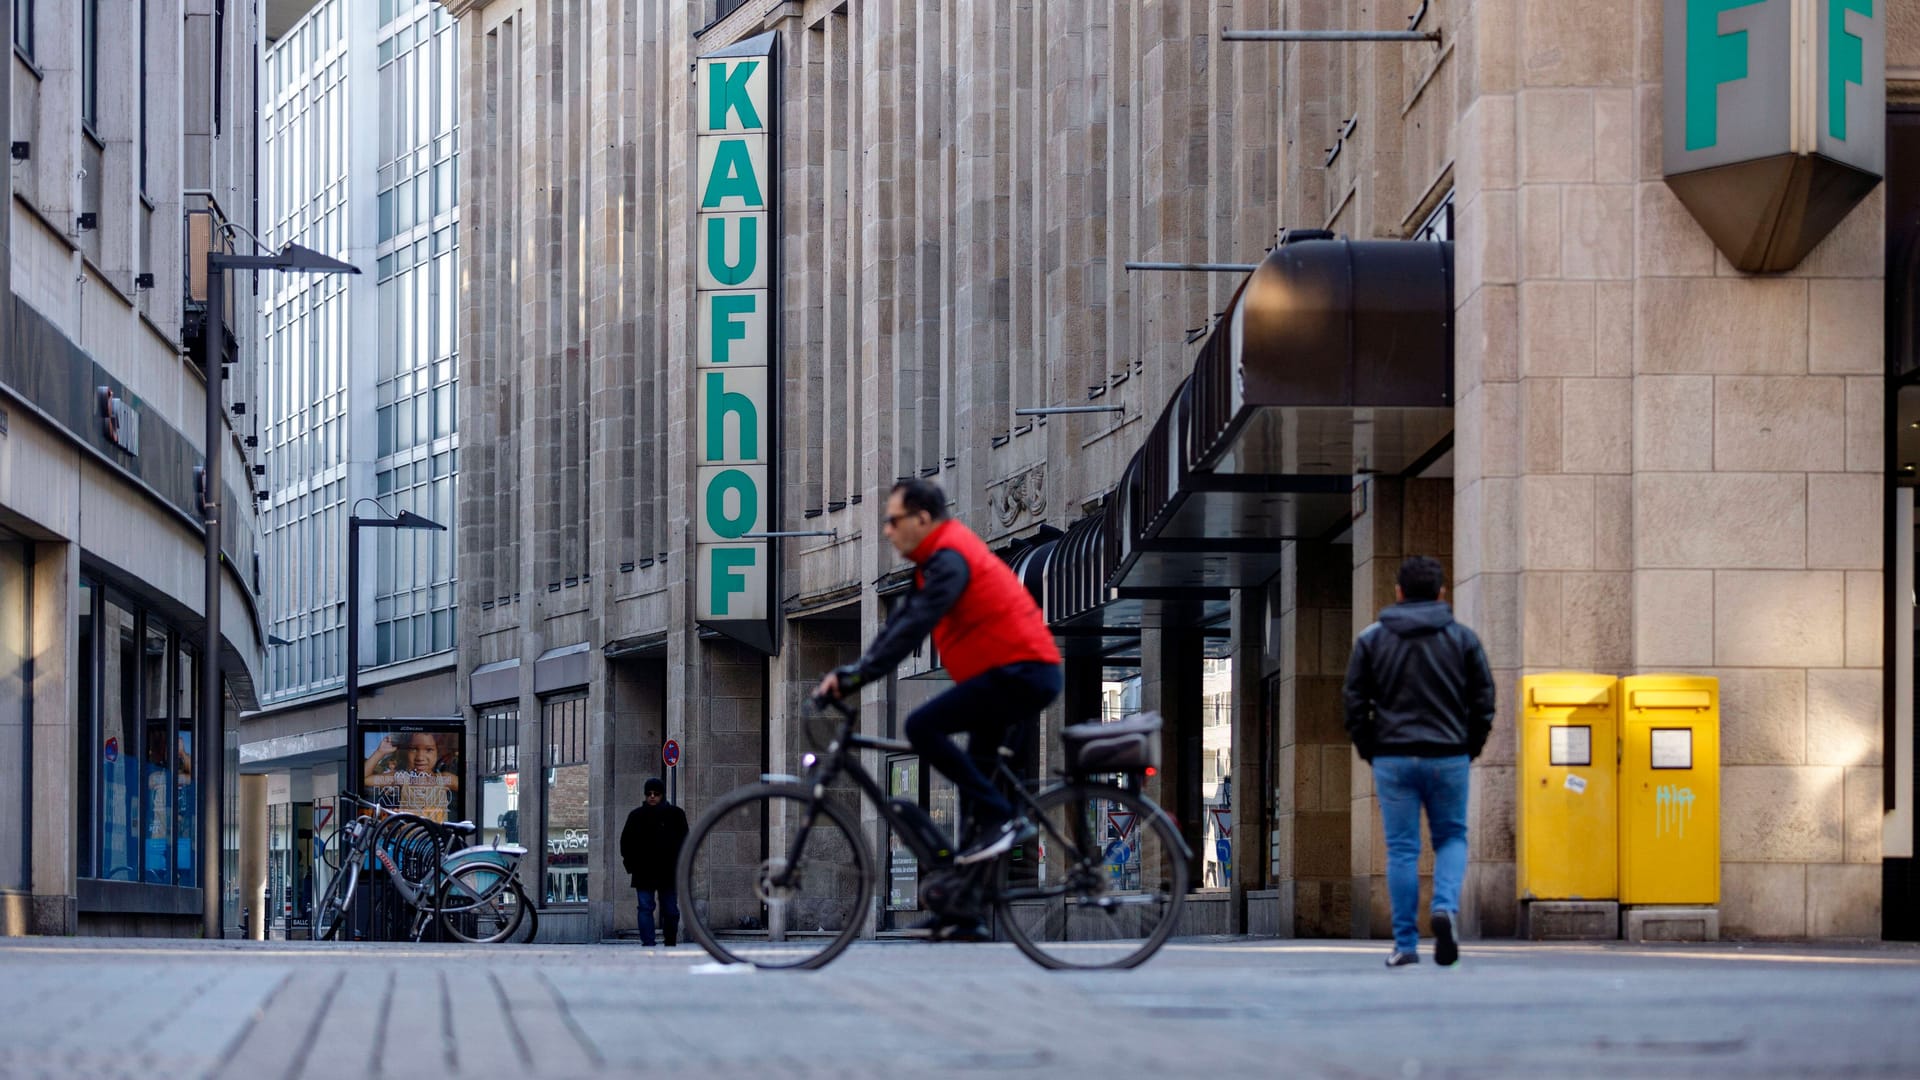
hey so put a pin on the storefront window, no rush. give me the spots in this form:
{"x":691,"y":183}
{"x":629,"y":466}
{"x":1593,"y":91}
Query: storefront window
{"x":116,"y":745}
{"x":134,"y":708}
{"x":279,"y":862}
{"x":84,"y":710}
{"x":500,"y":774}
{"x":903,"y":867}
{"x":185,"y":810}
{"x":159,"y":748}
{"x":563,"y":725}
{"x":1216,"y":773}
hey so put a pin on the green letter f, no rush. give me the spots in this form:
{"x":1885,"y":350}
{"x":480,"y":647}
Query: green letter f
{"x":1712,"y":58}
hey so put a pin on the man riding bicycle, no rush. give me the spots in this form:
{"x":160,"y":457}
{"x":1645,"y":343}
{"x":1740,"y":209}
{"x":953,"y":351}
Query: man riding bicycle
{"x":992,"y":639}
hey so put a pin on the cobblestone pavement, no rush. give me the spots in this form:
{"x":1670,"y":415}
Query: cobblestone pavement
{"x":1213,"y":1008}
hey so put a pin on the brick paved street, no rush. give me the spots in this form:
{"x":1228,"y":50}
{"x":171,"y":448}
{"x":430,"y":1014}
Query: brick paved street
{"x":1202,"y":1008}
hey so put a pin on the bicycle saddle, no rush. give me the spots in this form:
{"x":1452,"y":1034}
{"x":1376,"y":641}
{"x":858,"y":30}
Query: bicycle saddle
{"x":460,"y":828}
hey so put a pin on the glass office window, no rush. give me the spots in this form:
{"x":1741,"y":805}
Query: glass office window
{"x":90,"y":64}
{"x":23,"y":26}
{"x":563,"y":725}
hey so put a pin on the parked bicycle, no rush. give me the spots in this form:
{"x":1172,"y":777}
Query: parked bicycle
{"x":474,"y":891}
{"x":779,"y":875}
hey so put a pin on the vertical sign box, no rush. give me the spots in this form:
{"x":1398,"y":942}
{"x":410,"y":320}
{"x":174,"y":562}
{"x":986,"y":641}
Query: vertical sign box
{"x":735,"y":481}
{"x":1774,"y":119}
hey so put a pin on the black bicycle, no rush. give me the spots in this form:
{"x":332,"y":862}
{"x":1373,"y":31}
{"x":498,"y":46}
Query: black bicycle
{"x":474,"y":891}
{"x":779,"y":874}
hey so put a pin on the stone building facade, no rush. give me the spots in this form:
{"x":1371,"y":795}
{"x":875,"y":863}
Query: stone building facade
{"x":131,"y":152}
{"x":1644,"y":459}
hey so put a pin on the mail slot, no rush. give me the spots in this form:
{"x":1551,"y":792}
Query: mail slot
{"x":1670,"y":789}
{"x":1566,"y":846}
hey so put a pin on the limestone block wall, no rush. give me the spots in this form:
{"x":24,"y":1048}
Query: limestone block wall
{"x":1665,"y":464}
{"x":1314,"y":763}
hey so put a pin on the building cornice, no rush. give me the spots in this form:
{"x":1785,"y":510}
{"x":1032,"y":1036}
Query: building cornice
{"x":457,"y":8}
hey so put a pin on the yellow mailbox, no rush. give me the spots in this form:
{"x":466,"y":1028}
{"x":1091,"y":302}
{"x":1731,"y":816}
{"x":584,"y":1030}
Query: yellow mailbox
{"x":1670,"y":789}
{"x":1567,"y":812}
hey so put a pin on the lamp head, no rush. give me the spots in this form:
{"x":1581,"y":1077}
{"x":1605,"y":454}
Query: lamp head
{"x":296,"y":257}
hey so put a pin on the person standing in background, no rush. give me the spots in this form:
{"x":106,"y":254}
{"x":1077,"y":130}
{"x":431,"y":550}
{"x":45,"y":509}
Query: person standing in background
{"x":650,"y":848}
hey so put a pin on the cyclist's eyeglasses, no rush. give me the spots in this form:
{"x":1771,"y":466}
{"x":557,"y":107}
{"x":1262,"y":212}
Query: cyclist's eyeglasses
{"x":893,"y":520}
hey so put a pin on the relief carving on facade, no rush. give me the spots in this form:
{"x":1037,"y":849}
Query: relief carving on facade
{"x":1023,"y":492}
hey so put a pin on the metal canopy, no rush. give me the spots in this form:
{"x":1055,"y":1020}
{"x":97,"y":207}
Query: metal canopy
{"x":1334,"y":360}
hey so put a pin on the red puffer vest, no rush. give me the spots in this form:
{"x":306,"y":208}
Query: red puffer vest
{"x":995,"y":622}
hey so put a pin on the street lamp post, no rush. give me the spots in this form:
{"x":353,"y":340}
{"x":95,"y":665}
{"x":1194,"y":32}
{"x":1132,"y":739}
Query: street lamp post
{"x":407,"y":520}
{"x":212,"y":750}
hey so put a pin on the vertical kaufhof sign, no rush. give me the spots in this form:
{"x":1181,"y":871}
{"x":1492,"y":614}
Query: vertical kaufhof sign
{"x":735,"y":493}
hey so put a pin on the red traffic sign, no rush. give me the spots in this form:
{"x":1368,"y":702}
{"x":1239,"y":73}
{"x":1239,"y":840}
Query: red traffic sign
{"x":1222,"y":819}
{"x":1122,"y":822}
{"x":670,"y":753}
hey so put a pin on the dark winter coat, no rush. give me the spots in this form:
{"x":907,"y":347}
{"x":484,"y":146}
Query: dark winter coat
{"x":1418,"y":685}
{"x":650,"y":844}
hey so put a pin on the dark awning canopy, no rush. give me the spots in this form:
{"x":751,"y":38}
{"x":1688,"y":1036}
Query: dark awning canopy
{"x":1334,"y":359}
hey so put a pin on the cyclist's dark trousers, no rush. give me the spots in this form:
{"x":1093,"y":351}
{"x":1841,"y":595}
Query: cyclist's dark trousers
{"x":986,"y":707}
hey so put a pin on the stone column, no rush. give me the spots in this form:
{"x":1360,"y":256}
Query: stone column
{"x":1170,"y":684}
{"x":1314,"y":761}
{"x":55,"y":840}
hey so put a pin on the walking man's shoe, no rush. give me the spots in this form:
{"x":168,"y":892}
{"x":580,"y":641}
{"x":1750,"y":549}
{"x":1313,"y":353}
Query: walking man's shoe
{"x":1446,"y":950}
{"x":1396,"y":958}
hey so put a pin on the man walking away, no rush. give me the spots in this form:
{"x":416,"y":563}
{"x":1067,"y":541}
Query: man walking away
{"x":650,"y":848}
{"x":1419,"y":703}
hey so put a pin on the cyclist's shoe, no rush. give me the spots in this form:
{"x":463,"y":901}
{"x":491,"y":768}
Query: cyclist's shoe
{"x":966,"y":930}
{"x":950,"y":928}
{"x":1446,"y":950}
{"x":994,"y":843}
{"x":1396,"y":958}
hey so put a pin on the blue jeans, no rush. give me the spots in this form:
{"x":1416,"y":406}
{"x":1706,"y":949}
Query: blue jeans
{"x":1405,"y":784}
{"x":669,"y":908}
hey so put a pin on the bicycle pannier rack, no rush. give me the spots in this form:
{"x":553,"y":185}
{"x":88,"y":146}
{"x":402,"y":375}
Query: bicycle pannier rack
{"x":1128,"y":745}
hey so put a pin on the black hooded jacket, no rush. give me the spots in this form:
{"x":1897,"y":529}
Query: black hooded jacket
{"x":1418,"y":685}
{"x":650,"y":844}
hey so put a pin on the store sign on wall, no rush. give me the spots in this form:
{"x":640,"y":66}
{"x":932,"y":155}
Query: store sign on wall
{"x":735,"y":478}
{"x":1774,"y":119}
{"x":120,"y":421}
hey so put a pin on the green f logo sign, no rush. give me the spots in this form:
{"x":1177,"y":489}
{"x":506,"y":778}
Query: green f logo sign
{"x":1846,"y":60}
{"x":1712,"y":58}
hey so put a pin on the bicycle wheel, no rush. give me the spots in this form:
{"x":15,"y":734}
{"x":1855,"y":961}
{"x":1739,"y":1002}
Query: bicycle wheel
{"x":330,"y":912}
{"x":1107,"y":880}
{"x":773,"y":878}
{"x":481,"y":904}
